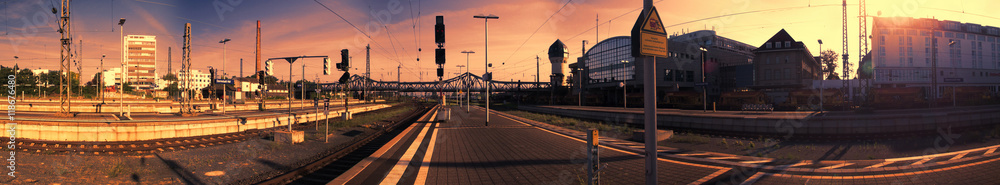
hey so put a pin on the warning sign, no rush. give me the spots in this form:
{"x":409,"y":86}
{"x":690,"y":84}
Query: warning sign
{"x":649,"y":37}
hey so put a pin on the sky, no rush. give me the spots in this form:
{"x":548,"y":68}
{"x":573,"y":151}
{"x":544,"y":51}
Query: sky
{"x":396,"y":29}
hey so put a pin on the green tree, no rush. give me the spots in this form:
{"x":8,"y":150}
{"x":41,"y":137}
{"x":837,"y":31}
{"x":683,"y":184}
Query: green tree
{"x":830,"y":61}
{"x":169,"y":77}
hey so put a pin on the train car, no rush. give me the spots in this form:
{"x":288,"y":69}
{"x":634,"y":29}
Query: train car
{"x":808,"y":99}
{"x":683,"y":100}
{"x":965,"y":96}
{"x":735,"y":100}
{"x":899,"y":98}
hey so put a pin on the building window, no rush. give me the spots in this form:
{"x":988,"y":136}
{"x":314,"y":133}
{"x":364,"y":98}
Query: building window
{"x":768,"y":45}
{"x":788,"y":44}
{"x":787,"y":73}
{"x":909,"y":41}
{"x":690,"y":76}
{"x":910,"y":62}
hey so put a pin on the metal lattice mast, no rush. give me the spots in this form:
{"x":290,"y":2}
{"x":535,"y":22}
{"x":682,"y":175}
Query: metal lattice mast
{"x":186,"y":64}
{"x":79,"y":68}
{"x":368,"y":70}
{"x":65,"y":54}
{"x":844,"y":79}
{"x":863,"y":20}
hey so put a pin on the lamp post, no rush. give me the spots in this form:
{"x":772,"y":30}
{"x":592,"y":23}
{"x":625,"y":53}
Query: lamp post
{"x":486,"y":22}
{"x":468,"y":100}
{"x":822,"y":76}
{"x":624,"y":87}
{"x":124,"y":62}
{"x":100,"y":90}
{"x":224,"y":93}
{"x":704,"y":88}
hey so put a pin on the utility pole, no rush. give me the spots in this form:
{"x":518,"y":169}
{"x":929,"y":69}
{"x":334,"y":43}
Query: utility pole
{"x":186,"y":66}
{"x":368,"y":69}
{"x":225,"y":95}
{"x":124,"y":63}
{"x":169,"y":61}
{"x":65,"y":54}
{"x":845,"y":79}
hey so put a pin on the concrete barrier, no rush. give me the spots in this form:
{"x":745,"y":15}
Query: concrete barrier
{"x":809,"y":126}
{"x":84,"y":130}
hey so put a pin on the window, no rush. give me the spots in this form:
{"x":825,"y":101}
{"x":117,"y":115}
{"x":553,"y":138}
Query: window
{"x":690,"y":76}
{"x":767,"y":60}
{"x":787,"y":73}
{"x":786,"y":59}
{"x":768,"y":45}
{"x":909,"y":41}
{"x":788,"y":44}
{"x":909,"y":51}
{"x":900,"y":40}
{"x":910,"y":64}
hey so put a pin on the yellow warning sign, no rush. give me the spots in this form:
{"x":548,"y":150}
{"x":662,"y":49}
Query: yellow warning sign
{"x":653,"y":23}
{"x":652,"y":36}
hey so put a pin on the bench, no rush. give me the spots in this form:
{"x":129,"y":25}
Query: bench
{"x":756,"y":107}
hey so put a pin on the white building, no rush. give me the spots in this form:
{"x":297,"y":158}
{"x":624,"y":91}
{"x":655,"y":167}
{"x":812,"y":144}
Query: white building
{"x":199,"y":80}
{"x":141,"y":60}
{"x":903,"y":53}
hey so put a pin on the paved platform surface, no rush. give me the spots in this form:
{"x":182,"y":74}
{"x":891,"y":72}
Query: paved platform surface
{"x":463,"y":150}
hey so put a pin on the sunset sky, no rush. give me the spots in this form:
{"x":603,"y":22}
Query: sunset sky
{"x":295,"y":28}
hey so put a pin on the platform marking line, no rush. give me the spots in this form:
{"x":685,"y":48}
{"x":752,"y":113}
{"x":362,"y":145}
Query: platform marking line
{"x":886,"y":175}
{"x":837,"y":166}
{"x":354,"y":171}
{"x":757,"y":161}
{"x":425,"y":165}
{"x":622,"y":151}
{"x":722,"y":158}
{"x":922,"y":161}
{"x":397,"y":171}
{"x":959,"y":156}
{"x":881,"y":164}
{"x":753,"y":178}
{"x":694,"y":154}
{"x":994,"y":149}
{"x":710,"y":176}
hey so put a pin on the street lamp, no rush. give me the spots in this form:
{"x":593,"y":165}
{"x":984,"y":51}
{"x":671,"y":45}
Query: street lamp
{"x":822,"y":76}
{"x":224,"y":93}
{"x":624,"y":87}
{"x":467,"y":93}
{"x":101,"y":89}
{"x":704,"y":90}
{"x":486,"y":22}
{"x":123,"y":74}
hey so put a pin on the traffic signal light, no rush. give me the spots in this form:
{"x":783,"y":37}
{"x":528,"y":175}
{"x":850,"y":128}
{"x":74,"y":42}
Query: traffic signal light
{"x":345,"y":60}
{"x":439,"y":30}
{"x":440,"y":72}
{"x":439,"y":56}
{"x":268,"y":67}
{"x":326,"y":66}
{"x":211,"y":74}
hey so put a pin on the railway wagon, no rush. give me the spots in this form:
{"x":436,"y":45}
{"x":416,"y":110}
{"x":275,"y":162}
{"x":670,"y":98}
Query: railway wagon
{"x":808,"y":99}
{"x":899,"y":98}
{"x":735,"y":100}
{"x":966,"y":95}
{"x":682,"y":100}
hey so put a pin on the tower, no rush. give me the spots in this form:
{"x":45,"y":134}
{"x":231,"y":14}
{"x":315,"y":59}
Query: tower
{"x":558,"y":54}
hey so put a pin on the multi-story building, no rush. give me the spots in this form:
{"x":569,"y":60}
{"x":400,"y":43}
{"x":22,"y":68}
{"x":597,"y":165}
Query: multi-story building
{"x":783,"y":64}
{"x":904,"y":50}
{"x":609,"y":63}
{"x":199,"y":80}
{"x":140,"y":56}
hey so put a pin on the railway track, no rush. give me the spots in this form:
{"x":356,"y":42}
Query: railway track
{"x":149,"y":146}
{"x":337,"y":161}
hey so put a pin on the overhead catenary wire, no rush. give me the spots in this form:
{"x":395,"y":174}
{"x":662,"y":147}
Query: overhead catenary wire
{"x":377,"y":45}
{"x":536,"y":30}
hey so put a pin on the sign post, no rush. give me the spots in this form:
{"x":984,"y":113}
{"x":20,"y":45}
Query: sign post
{"x":593,"y":159}
{"x":649,"y":40}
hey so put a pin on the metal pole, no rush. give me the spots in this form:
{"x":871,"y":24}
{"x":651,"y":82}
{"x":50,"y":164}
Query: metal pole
{"x":704,"y":88}
{"x":224,"y":93}
{"x":624,"y":87}
{"x":487,"y":59}
{"x":121,"y":87}
{"x":822,"y":77}
{"x":649,"y":83}
{"x":290,"y":115}
{"x":649,"y":98}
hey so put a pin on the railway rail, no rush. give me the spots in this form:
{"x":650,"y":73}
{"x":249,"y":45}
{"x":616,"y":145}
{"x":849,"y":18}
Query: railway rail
{"x":149,"y":146}
{"x":325,"y":167}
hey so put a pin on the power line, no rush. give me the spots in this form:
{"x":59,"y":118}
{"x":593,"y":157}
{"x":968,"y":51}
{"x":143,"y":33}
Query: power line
{"x":536,"y":30}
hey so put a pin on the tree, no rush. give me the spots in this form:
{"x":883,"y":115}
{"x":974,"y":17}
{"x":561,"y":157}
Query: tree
{"x":830,"y":61}
{"x":169,"y":77}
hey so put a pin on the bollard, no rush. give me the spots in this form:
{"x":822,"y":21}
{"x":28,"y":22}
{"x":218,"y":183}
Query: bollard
{"x":593,"y":159}
{"x":713,"y":106}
